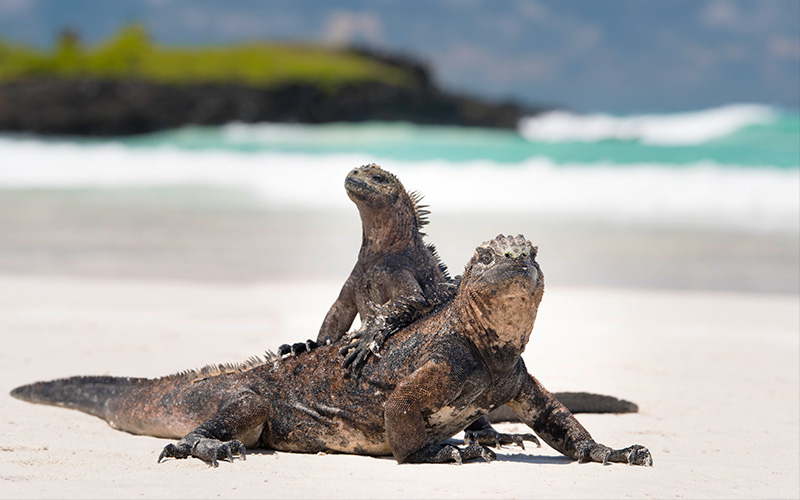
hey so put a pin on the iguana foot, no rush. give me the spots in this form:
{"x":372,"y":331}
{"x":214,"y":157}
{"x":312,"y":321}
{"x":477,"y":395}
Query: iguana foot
{"x":441,"y":453}
{"x":490,"y":437}
{"x":286,"y":350}
{"x":632,"y":455}
{"x":205,"y":449}
{"x":366,"y":341}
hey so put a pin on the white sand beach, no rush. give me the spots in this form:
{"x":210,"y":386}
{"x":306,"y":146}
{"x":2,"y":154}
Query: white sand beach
{"x":716,"y":376}
{"x":699,"y":326}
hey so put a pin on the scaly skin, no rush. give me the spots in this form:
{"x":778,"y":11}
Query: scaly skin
{"x":433,"y":378}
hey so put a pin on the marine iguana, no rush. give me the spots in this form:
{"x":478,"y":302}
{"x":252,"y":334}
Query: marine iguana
{"x":434,"y":377}
{"x":398,"y":278}
{"x":395,"y":269}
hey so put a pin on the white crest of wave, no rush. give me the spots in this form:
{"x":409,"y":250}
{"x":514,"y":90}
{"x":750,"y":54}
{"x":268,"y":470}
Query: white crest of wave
{"x":664,"y":130}
{"x":704,"y":193}
{"x":337,"y":134}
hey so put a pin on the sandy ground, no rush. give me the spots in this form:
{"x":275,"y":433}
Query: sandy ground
{"x":716,"y":375}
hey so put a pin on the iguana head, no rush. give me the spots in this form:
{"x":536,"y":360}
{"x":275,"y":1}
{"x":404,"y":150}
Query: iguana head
{"x":372,"y":186}
{"x":388,"y":212}
{"x":501,"y":289}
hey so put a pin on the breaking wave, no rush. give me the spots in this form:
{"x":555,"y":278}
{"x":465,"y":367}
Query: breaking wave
{"x":705,"y":193}
{"x":678,"y":129}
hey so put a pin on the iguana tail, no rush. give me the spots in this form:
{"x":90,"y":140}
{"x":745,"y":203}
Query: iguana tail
{"x":87,"y":394}
{"x":587,"y":402}
{"x":576,"y":402}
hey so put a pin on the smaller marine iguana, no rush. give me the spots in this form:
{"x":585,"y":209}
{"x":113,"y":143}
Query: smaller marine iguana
{"x":434,"y":377}
{"x":395,"y":268}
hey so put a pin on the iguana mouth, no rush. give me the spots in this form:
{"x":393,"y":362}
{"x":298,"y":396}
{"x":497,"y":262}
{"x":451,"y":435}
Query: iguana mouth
{"x":358,"y":187}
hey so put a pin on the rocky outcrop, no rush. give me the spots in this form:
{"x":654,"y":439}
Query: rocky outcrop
{"x":98,"y":107}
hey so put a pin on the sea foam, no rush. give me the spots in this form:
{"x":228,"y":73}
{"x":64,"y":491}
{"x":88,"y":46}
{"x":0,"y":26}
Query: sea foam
{"x":675,"y":129}
{"x":703,"y":193}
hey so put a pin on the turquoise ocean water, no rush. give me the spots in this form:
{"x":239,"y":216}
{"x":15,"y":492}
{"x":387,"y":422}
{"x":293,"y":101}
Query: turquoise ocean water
{"x":768,"y":139}
{"x":737,"y":165}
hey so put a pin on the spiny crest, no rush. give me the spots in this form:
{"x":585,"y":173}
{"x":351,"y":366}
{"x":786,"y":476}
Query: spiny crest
{"x":421,"y":211}
{"x":214,"y":370}
{"x":510,"y":246}
{"x":435,"y":254}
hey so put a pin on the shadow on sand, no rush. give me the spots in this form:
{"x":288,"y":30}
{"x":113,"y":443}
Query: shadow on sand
{"x":523,"y":458}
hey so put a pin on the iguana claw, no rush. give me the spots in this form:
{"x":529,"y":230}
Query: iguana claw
{"x":632,"y":455}
{"x":434,"y":453}
{"x":180,"y":450}
{"x":204,"y":449}
{"x":490,"y":437}
{"x":375,"y":347}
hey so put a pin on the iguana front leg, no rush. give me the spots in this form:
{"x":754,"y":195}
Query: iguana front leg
{"x":341,"y":314}
{"x":554,"y":423}
{"x":425,"y":391}
{"x":218,"y":437}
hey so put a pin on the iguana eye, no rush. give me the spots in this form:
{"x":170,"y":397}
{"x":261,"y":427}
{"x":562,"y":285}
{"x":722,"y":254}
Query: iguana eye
{"x":485,"y":258}
{"x":380,"y":179}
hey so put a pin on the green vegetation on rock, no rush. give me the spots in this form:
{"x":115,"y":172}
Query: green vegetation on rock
{"x":130,"y":54}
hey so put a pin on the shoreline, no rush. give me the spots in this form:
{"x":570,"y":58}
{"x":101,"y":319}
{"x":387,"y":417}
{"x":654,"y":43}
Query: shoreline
{"x":191,"y":235}
{"x":701,"y":365}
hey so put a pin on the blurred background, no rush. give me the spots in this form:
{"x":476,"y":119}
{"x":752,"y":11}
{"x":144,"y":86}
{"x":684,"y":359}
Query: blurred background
{"x":639,"y":144}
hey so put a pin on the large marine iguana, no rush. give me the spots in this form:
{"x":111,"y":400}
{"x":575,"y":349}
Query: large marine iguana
{"x":434,"y":377}
{"x":398,"y":278}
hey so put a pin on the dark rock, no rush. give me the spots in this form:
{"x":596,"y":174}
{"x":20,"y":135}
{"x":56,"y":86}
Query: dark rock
{"x":120,"y":107}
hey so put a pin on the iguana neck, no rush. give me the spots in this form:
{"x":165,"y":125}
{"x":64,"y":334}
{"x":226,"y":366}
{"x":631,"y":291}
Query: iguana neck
{"x":389,"y":230}
{"x":499,"y":331}
{"x":498,"y":356}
